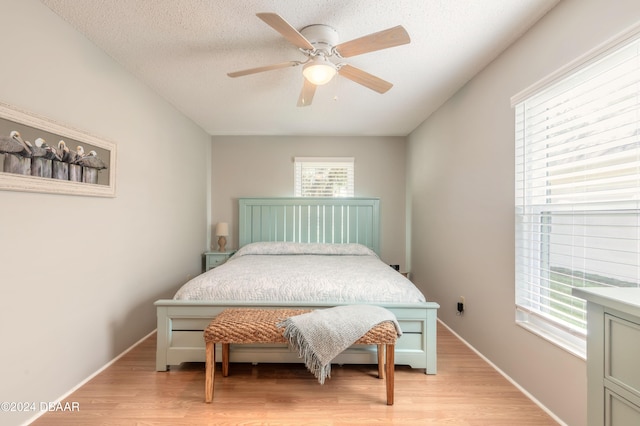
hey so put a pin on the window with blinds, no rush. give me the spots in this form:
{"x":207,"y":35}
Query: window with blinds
{"x":324,"y":177}
{"x":577,"y":191}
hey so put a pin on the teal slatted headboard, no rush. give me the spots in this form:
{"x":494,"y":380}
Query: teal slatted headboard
{"x":310,"y":220}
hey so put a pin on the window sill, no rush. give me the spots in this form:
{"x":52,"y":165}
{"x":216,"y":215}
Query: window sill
{"x":576,"y":348}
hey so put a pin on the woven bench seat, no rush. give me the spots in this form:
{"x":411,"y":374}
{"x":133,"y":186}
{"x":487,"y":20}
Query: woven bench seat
{"x":244,"y":326}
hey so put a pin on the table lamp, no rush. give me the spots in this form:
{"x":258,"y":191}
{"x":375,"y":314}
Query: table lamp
{"x":222,"y":232}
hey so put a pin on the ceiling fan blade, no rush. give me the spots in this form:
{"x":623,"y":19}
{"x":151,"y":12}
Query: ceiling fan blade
{"x":306,"y":94}
{"x":364,"y":78}
{"x":265,"y":68}
{"x":384,"y":39}
{"x":278,"y":23}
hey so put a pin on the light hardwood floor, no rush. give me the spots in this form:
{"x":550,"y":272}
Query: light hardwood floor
{"x":466,"y":391}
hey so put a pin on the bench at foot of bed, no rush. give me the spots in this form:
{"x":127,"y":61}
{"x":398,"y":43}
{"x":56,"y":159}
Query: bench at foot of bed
{"x":244,"y":326}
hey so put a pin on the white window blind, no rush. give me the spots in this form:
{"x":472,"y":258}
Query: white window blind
{"x":577,"y":192}
{"x":324,"y":177}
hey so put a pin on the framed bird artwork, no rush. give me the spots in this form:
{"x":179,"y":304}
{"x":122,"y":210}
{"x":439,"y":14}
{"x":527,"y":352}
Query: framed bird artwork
{"x":40,"y":155}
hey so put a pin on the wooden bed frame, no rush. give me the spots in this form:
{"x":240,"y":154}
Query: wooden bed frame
{"x":342,"y":220}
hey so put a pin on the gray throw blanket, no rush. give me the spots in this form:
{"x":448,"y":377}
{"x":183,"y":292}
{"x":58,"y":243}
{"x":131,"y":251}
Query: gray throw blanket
{"x":319,"y":336}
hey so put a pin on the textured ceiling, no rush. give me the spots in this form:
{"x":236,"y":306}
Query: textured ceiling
{"x":184,"y":48}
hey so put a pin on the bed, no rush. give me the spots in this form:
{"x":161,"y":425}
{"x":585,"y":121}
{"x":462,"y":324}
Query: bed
{"x":276,"y":237}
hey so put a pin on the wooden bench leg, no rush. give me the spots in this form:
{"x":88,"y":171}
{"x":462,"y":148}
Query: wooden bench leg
{"x":225,"y":359}
{"x":390,"y":352}
{"x":209,"y":371}
{"x":380,"y":361}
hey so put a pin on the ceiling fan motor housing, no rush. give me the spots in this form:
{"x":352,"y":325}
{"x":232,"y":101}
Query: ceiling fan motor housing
{"x":322,"y":37}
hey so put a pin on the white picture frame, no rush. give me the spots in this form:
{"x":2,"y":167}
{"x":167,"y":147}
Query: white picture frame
{"x":30,"y":127}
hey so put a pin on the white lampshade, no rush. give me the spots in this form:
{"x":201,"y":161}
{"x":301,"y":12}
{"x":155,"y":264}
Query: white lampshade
{"x":222,"y":229}
{"x":319,"y":71}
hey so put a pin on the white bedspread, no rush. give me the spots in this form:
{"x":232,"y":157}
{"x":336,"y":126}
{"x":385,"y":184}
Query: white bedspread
{"x":300,"y":272}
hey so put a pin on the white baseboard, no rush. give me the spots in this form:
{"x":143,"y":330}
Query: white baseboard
{"x":85,"y":381}
{"x":513,"y":382}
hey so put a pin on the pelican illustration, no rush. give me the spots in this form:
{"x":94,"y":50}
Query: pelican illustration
{"x":65,"y":153}
{"x":79,"y":152}
{"x":92,"y":160}
{"x":14,"y":145}
{"x":39,"y":150}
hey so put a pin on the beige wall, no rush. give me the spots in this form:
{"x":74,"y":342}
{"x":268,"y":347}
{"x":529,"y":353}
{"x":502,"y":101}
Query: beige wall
{"x":79,"y":275}
{"x":262,"y":166}
{"x":461,"y":197}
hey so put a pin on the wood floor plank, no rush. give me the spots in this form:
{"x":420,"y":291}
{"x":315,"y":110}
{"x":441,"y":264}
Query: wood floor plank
{"x":465,"y":392}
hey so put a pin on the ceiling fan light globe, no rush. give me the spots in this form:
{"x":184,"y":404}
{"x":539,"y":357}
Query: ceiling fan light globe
{"x":319,"y":71}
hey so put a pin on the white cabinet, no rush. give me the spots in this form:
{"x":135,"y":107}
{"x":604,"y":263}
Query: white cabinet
{"x":613,"y":355}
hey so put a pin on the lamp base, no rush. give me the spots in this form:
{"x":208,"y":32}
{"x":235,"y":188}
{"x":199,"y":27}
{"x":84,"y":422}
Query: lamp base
{"x":222,"y":242}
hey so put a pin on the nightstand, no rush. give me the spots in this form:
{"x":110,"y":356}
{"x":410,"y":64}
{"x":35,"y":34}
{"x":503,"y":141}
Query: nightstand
{"x":216,"y":258}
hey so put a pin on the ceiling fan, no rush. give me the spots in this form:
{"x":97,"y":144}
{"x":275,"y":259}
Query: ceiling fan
{"x":319,"y":43}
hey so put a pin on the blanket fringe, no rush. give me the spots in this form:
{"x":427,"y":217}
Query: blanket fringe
{"x":300,"y":344}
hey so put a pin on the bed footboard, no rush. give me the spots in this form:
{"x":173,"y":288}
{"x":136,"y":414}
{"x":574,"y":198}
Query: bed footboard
{"x":181,"y":325}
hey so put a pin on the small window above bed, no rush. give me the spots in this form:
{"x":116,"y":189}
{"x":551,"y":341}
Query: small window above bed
{"x":324,"y":176}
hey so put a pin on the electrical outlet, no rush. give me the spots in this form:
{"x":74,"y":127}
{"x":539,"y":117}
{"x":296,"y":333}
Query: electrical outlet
{"x":461,"y":305}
